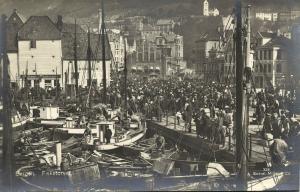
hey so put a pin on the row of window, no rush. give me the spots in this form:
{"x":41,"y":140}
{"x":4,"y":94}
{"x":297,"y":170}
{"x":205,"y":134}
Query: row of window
{"x":268,"y":55}
{"x":267,"y":68}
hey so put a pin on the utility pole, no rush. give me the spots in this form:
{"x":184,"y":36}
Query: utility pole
{"x":241,"y":129}
{"x":103,"y":34}
{"x":7,"y":145}
{"x":75,"y":61}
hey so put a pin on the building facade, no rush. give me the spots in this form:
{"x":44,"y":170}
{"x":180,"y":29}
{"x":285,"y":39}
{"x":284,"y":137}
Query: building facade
{"x":209,"y":12}
{"x":40,"y":52}
{"x":271,"y":62}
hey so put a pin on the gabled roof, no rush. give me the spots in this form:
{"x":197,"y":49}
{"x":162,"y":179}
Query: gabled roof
{"x":82,"y":44}
{"x":278,"y":41}
{"x":39,"y":28}
{"x":266,"y":35}
{"x":14,"y":23}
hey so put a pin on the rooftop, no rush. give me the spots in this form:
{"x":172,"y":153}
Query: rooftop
{"x":82,"y":45}
{"x":14,"y":23}
{"x":39,"y":28}
{"x":277,"y":41}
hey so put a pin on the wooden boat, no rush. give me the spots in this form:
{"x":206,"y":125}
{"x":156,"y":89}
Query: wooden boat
{"x":45,"y":178}
{"x":17,"y":121}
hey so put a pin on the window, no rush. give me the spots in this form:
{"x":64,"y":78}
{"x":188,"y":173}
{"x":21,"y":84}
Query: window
{"x":269,"y":68}
{"x":265,"y":54}
{"x":270,"y":55}
{"x":48,"y":84}
{"x":278,"y":69}
{"x":261,"y":68}
{"x":265,"y":68}
{"x":261,"y":55}
{"x":33,"y":44}
{"x":279,"y":56}
{"x":56,"y":82}
{"x":36,"y":83}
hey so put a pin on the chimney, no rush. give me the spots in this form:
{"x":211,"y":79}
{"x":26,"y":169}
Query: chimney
{"x":59,"y":23}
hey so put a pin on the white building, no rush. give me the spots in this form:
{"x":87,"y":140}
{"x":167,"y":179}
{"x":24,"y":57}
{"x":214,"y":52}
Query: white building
{"x":165,"y":25}
{"x":267,"y":16}
{"x":209,"y":12}
{"x":68,"y":64}
{"x":14,"y":23}
{"x":117,"y":45}
{"x":39,"y":52}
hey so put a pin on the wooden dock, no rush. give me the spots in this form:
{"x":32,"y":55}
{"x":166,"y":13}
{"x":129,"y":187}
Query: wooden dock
{"x":171,"y":130}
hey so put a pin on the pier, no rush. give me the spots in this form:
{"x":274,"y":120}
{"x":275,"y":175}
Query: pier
{"x":171,"y":130}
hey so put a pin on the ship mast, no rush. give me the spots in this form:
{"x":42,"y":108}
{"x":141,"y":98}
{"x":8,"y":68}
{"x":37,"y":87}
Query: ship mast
{"x":125,"y":77}
{"x":241,"y":104}
{"x":7,"y":145}
{"x":89,"y":55}
{"x":103,"y":34}
{"x":75,"y":61}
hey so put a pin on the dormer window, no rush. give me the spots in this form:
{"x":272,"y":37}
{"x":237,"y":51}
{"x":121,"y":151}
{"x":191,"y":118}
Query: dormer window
{"x":33,"y":44}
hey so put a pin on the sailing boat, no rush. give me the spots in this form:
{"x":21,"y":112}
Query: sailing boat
{"x":122,"y":132}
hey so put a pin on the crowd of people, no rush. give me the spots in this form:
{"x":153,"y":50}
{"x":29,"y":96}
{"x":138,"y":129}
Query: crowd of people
{"x":275,"y":111}
{"x":188,"y":98}
{"x":210,"y":105}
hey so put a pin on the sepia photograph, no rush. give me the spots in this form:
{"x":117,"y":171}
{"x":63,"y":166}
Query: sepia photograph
{"x":149,"y":95}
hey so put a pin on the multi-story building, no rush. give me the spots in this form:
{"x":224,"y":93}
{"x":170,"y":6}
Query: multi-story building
{"x":271,"y":62}
{"x":206,"y":52}
{"x":14,"y":23}
{"x":68,"y":56}
{"x":117,"y":45}
{"x":289,"y":14}
{"x":209,"y":12}
{"x":266,"y":15}
{"x":40,"y":52}
{"x":165,"y":25}
{"x":161,"y":53}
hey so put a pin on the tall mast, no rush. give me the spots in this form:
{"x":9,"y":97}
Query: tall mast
{"x":56,"y":84}
{"x":241,"y":102}
{"x":75,"y":61}
{"x":89,"y":55}
{"x":8,"y":149}
{"x":103,"y":34}
{"x":125,"y":77}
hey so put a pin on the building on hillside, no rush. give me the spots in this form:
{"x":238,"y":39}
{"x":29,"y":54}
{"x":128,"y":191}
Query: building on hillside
{"x":117,"y":45}
{"x":40,"y":52}
{"x":295,"y":56}
{"x":209,"y":12}
{"x":160,"y":53}
{"x":266,"y":15}
{"x":165,"y":25}
{"x":14,"y":23}
{"x":206,"y":53}
{"x":68,"y":68}
{"x":271,"y":62}
{"x":289,"y":14}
